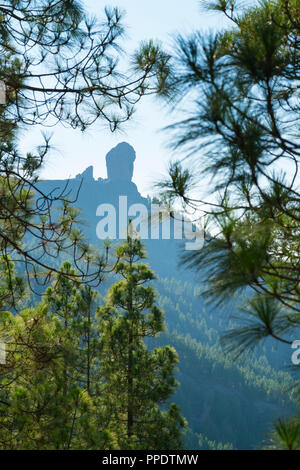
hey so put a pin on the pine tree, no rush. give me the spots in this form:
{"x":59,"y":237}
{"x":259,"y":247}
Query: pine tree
{"x":86,"y":299}
{"x":72,"y":304}
{"x":45,"y":401}
{"x":137,"y":382}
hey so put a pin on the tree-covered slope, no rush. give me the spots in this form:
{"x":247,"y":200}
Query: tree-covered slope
{"x":226,"y":401}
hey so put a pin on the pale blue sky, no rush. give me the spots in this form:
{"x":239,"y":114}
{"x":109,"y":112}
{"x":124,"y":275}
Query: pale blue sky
{"x":156,"y":19}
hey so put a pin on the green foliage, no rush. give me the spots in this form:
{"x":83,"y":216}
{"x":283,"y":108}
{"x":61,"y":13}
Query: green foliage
{"x":12,"y":287}
{"x":206,"y":444}
{"x":137,"y":381}
{"x":265,"y":317}
{"x":48,"y":384}
{"x":64,"y":387}
{"x":285,"y":436}
{"x":217,"y":394}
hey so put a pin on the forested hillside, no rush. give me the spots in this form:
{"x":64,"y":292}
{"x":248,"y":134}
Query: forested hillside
{"x":226,"y":401}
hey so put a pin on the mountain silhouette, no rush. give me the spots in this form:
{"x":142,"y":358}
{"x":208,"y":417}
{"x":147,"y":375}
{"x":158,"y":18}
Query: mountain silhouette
{"x":89,"y":194}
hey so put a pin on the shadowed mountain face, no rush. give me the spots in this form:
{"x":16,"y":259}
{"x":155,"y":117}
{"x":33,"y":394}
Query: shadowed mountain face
{"x":89,"y":193}
{"x":94,"y":196}
{"x":119,"y":167}
{"x":119,"y":162}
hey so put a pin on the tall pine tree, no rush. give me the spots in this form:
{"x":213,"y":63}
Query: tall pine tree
{"x":137,"y":382}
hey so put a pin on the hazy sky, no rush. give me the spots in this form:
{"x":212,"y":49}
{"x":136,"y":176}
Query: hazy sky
{"x":74,"y":151}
